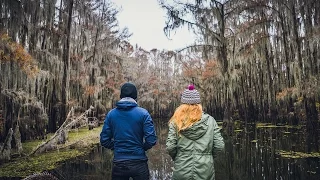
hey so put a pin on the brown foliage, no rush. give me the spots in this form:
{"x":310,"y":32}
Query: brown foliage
{"x":210,"y":69}
{"x":12,"y":51}
{"x":286,"y":92}
{"x":90,"y":90}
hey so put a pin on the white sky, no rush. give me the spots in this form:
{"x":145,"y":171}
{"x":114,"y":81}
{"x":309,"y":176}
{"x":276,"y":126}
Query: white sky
{"x":145,"y":19}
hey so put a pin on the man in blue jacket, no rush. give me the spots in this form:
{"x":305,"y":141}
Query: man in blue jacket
{"x":128,"y":130}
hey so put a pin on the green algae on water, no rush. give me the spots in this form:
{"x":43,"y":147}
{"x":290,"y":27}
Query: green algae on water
{"x":29,"y":165}
{"x":297,"y":155}
{"x":79,"y":143}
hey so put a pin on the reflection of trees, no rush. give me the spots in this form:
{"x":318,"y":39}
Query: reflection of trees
{"x":160,"y":163}
{"x":250,"y":154}
{"x":96,"y":165}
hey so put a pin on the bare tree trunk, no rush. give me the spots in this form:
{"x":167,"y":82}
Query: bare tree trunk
{"x":296,"y":38}
{"x":285,"y":49}
{"x":66,"y":62}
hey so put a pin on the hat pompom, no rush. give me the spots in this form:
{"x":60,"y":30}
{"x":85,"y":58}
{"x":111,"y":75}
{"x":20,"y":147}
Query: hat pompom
{"x":191,"y":87}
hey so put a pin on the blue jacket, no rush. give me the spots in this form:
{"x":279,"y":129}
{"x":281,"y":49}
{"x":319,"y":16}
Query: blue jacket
{"x":128,"y":130}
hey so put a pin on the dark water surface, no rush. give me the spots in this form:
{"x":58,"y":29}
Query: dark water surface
{"x":250,"y":154}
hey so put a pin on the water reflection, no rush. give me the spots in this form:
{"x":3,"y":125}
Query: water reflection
{"x":250,"y":154}
{"x":253,"y":154}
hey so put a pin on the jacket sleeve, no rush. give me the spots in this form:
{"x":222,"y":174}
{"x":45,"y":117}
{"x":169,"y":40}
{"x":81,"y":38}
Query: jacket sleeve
{"x":218,"y":142}
{"x":106,"y":135}
{"x":171,"y":143}
{"x":150,"y":137}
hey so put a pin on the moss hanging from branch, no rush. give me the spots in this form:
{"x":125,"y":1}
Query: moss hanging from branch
{"x":29,"y":110}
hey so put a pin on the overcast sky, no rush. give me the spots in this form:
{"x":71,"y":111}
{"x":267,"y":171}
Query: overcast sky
{"x":146,"y":20}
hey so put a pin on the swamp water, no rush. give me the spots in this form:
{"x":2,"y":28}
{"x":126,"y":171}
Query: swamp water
{"x":264,"y":153}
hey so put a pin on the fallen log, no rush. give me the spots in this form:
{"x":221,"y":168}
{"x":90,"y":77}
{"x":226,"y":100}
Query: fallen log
{"x":60,"y":136}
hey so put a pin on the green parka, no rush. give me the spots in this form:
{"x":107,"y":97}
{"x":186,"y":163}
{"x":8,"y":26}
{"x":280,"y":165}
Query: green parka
{"x":193,"y":150}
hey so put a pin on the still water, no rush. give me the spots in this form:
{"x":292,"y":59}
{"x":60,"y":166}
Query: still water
{"x":251,"y":154}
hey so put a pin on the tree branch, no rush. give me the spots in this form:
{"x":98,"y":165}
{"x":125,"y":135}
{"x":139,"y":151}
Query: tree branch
{"x":194,"y":46}
{"x":176,"y":19}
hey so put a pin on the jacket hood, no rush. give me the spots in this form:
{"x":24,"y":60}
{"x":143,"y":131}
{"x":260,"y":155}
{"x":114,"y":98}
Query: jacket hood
{"x":126,"y":103}
{"x":198,"y":129}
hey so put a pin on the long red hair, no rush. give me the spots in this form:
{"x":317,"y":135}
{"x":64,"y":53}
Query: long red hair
{"x":186,"y":115}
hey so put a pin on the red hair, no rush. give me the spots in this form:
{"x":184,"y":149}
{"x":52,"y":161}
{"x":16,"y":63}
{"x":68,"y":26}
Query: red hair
{"x":186,"y":115}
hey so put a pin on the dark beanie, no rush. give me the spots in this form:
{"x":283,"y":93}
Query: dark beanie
{"x":128,"y":90}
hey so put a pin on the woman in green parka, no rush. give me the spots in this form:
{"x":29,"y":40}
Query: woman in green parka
{"x":194,"y":139}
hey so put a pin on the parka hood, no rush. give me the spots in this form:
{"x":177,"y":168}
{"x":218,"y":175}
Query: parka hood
{"x":198,"y":129}
{"x":126,"y":103}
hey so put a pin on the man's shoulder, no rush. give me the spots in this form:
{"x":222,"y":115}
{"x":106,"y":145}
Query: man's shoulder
{"x":111,"y":111}
{"x":141,"y":109}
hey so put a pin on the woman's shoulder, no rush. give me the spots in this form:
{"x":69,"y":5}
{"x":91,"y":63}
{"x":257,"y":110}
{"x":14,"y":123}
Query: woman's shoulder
{"x":210,"y":119}
{"x":207,"y":116}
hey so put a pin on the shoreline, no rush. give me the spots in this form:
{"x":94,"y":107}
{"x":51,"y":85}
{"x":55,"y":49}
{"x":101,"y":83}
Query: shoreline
{"x":80,"y":142}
